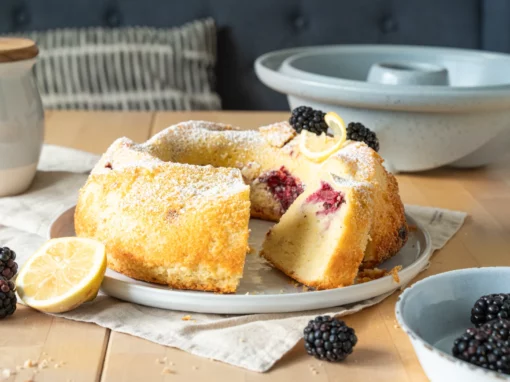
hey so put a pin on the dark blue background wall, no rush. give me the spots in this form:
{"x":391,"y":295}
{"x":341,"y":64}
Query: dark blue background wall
{"x":249,"y":28}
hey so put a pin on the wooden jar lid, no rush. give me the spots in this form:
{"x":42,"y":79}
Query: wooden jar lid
{"x":17,"y":49}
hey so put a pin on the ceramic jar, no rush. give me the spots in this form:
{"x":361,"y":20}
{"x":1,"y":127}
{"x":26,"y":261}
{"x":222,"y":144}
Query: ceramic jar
{"x":21,"y":116}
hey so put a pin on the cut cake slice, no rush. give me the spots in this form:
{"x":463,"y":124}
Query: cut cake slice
{"x":321,"y":240}
{"x":175,"y":224}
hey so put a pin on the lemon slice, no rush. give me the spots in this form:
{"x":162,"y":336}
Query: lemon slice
{"x":337,"y":124}
{"x":319,"y":148}
{"x":62,"y":274}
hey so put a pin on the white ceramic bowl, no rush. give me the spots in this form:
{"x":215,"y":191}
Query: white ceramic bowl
{"x":436,"y":310}
{"x":466,"y":124}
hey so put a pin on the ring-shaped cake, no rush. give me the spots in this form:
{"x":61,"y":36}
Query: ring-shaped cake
{"x":175,"y":209}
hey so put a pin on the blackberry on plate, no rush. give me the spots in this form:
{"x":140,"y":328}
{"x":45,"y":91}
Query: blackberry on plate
{"x":328,"y":338}
{"x":306,"y":118}
{"x":490,"y":307}
{"x":7,"y":297}
{"x":8,"y":267}
{"x":487,"y":346}
{"x":358,"y":132}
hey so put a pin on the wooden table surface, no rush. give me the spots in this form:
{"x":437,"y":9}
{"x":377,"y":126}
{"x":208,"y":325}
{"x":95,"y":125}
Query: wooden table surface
{"x":86,"y":352}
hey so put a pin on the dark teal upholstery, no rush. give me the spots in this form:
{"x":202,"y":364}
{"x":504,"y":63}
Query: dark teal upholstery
{"x":248,"y":28}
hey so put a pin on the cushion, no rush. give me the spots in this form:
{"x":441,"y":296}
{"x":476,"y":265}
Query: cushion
{"x":132,"y":68}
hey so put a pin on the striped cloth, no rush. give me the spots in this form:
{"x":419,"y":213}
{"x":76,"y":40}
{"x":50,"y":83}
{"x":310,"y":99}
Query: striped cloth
{"x":133,"y":68}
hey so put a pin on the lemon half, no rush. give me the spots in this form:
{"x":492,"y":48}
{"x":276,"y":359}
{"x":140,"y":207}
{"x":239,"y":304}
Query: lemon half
{"x":63,"y":274}
{"x":319,"y":148}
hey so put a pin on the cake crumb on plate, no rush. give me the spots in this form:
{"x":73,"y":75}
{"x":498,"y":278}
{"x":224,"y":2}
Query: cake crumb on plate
{"x":29,"y":363}
{"x":370,"y":274}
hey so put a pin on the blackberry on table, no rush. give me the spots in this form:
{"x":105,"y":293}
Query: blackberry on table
{"x":7,"y":298}
{"x":487,"y":346}
{"x":491,"y":307}
{"x":358,"y":132}
{"x":306,"y":118}
{"x":8,"y":267}
{"x":328,"y":338}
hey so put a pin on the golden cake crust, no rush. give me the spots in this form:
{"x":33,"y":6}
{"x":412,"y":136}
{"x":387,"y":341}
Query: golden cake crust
{"x":179,"y":225}
{"x":389,"y":228}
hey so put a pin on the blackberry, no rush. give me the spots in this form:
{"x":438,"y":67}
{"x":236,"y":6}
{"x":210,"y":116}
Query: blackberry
{"x":7,"y":297}
{"x":306,"y":118}
{"x":328,"y":338}
{"x":490,"y":307}
{"x":358,"y":132}
{"x":487,"y":346}
{"x":8,"y":267}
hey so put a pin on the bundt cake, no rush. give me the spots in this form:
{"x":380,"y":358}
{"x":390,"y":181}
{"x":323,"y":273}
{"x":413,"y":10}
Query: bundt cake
{"x":203,"y":168}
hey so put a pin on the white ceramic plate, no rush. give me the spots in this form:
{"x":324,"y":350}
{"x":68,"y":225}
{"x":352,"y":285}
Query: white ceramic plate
{"x":263,"y":289}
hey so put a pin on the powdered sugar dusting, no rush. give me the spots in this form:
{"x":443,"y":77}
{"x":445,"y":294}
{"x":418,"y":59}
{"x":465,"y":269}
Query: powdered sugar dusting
{"x":173,"y":143}
{"x":167,"y":148}
{"x":278,"y":134}
{"x":181,"y":181}
{"x":359,"y":159}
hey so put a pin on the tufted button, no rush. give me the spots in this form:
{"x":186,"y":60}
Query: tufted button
{"x":388,"y":25}
{"x":20,"y":16}
{"x":112,"y":17}
{"x":299,"y":22}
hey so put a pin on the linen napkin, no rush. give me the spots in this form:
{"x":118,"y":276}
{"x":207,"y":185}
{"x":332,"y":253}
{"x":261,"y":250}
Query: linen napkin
{"x":254,"y":342}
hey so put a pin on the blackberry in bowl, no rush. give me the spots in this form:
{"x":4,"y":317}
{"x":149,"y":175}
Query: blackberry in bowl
{"x":491,"y":307}
{"x":487,"y":346}
{"x":436,"y":315}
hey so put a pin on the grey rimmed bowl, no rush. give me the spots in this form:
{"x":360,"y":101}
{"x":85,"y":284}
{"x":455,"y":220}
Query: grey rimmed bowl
{"x":436,"y":310}
{"x":464,"y":122}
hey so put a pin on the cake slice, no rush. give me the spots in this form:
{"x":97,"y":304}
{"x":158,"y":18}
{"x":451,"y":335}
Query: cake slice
{"x":321,"y":240}
{"x":168,"y":223}
{"x":389,"y":230}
